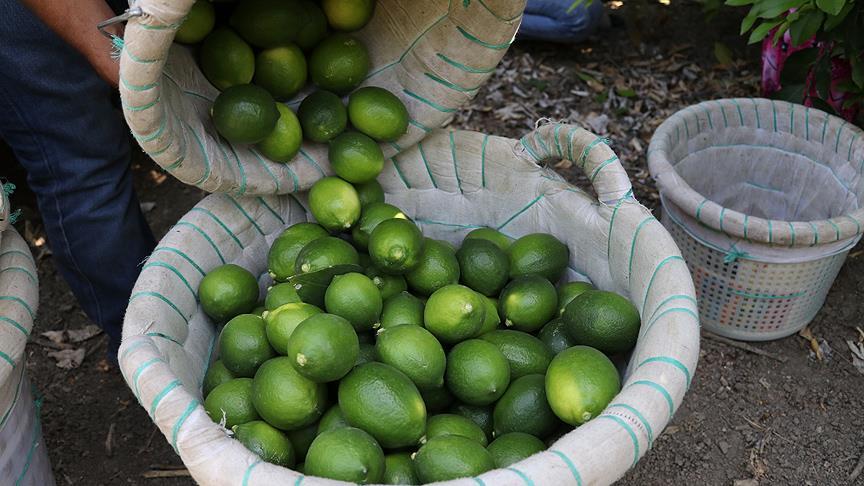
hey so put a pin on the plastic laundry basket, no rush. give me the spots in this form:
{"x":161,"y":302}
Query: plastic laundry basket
{"x":764,"y":200}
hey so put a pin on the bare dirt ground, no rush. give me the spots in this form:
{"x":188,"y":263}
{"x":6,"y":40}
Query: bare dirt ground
{"x":748,"y":419}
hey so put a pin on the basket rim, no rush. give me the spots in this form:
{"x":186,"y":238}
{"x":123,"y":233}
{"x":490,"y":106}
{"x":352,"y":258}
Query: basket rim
{"x":735,"y":223}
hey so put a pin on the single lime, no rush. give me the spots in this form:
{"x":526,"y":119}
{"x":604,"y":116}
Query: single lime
{"x":227,"y":291}
{"x":226,"y":59}
{"x":399,"y":469}
{"x":324,"y":253}
{"x":282,"y":321}
{"x":334,"y":203}
{"x":538,"y":254}
{"x":230,"y":403}
{"x":323,"y":348}
{"x":528,"y":302}
{"x":554,"y":336}
{"x":523,"y":408}
{"x":355,"y":157}
{"x":525,"y":353}
{"x":346,"y":454}
{"x":215,"y":376}
{"x":437,"y":268}
{"x":451,"y":457}
{"x":283,"y":252}
{"x":355,"y":297}
{"x":378,"y":113}
{"x":414,"y":351}
{"x":513,"y":447}
{"x":339,"y":63}
{"x":501,"y":241}
{"x":602,"y":320}
{"x":402,"y":308}
{"x":477,"y":372}
{"x":286,"y":399}
{"x":580,"y":383}
{"x":322,"y":116}
{"x":244,"y":113}
{"x":454,"y":313}
{"x":244,"y":346}
{"x":370,"y":217}
{"x":197,"y":24}
{"x":370,"y":192}
{"x":452,"y":424}
{"x":485,"y":267}
{"x":395,"y":245}
{"x":266,"y":441}
{"x":279,"y":295}
{"x":281,"y":71}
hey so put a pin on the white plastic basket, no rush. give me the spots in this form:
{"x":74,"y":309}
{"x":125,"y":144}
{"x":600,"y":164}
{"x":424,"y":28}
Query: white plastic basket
{"x":764,"y":199}
{"x":452,"y":182}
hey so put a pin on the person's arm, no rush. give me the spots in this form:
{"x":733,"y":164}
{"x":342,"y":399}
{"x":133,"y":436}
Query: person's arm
{"x":75,"y":22}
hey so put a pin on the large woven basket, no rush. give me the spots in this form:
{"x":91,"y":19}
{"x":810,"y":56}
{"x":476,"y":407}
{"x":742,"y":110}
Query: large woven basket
{"x":434,"y":55}
{"x":23,"y":455}
{"x":764,"y":198}
{"x":449,"y":183}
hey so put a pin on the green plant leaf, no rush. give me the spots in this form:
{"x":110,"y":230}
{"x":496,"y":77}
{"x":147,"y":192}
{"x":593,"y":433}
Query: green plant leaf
{"x":806,"y":27}
{"x":831,"y":7}
{"x":723,"y":54}
{"x":793,"y":93}
{"x":798,"y":66}
{"x":312,"y":286}
{"x":857,"y":71}
{"x":749,"y":20}
{"x":739,"y":3}
{"x":625,"y":91}
{"x":762,"y":30}
{"x":821,"y":104}
{"x":773,"y":8}
{"x":834,"y":20}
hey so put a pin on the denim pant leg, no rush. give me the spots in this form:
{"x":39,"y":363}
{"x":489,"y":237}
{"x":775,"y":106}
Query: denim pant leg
{"x":58,"y":117}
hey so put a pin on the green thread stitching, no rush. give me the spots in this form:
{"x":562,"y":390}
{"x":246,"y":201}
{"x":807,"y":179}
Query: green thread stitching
{"x":145,"y":293}
{"x":633,"y":243}
{"x":248,"y":472}
{"x":455,"y":164}
{"x":168,"y":388}
{"x":428,"y":169}
{"x":535,"y":201}
{"x":183,"y":255}
{"x":15,"y":324}
{"x":654,"y":275}
{"x":639,"y":416}
{"x":840,"y":131}
{"x":173,"y":270}
{"x":450,"y":85}
{"x":629,"y":431}
{"x":272,"y":211}
{"x":464,"y":67}
{"x":21,"y":302}
{"x":483,"y":159}
{"x":22,"y":270}
{"x":669,"y":360}
{"x":570,"y":465}
{"x":438,"y":107}
{"x":409,"y":49}
{"x":272,"y":175}
{"x":205,"y":235}
{"x":245,"y":214}
{"x":488,"y":45}
{"x":522,"y":475}
{"x":399,"y":172}
{"x":659,"y":388}
{"x":312,"y":161}
{"x":220,"y":223}
{"x":180,"y":420}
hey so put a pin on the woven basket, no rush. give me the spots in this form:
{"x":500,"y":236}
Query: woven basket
{"x":23,"y":455}
{"x":764,"y":199}
{"x":432,"y":54}
{"x":450,"y":183}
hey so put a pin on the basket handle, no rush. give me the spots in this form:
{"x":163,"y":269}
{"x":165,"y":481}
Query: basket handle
{"x":591,"y":153}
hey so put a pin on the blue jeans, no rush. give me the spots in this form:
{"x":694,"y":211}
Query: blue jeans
{"x":549,"y":20}
{"x":59,"y":119}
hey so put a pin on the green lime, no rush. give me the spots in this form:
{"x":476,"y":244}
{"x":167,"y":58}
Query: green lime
{"x":215,"y":376}
{"x":366,"y":354}
{"x":279,"y":295}
{"x":485,"y":267}
{"x":482,"y":416}
{"x":285,"y":398}
{"x":281,"y":71}
{"x":525,"y":353}
{"x":538,"y":254}
{"x":346,"y":454}
{"x":454,"y":313}
{"x":451,"y":457}
{"x":389,"y":285}
{"x":323,"y":348}
{"x":332,"y":419}
{"x":402,"y":308}
{"x":267,"y":23}
{"x":322,"y":116}
{"x":452,"y":424}
{"x":603,"y":320}
{"x":266,"y":441}
{"x":283,"y":252}
{"x":282,"y":321}
{"x":370,"y":217}
{"x":313,"y":27}
{"x":395,"y":245}
{"x":227,"y":291}
{"x":580,"y":383}
{"x":355,"y":157}
{"x":477,"y":372}
{"x":244,"y":346}
{"x":384,"y":402}
{"x":523,"y":408}
{"x":492,"y":320}
{"x":370,"y":192}
{"x":244,"y":113}
{"x":437,"y":399}
{"x":324,"y":253}
{"x":197,"y":24}
{"x":230,"y":403}
{"x":569,"y":291}
{"x":355,"y":297}
{"x":339,"y":63}
{"x":437,"y":268}
{"x":501,"y":241}
{"x":399,"y":469}
{"x":378,"y":113}
{"x":554,"y":336}
{"x":348,"y":15}
{"x":301,"y":439}
{"x":334,"y":203}
{"x":414,"y":351}
{"x":528,"y":302}
{"x":226,"y":59}
{"x":284,"y":141}
{"x":513,"y":447}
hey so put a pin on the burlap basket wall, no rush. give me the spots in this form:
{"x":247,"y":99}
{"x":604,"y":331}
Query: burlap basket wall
{"x":23,"y":455}
{"x":450,"y":183}
{"x":432,"y":54}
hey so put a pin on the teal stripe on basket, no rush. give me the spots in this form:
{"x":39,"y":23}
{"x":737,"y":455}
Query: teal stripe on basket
{"x":602,"y":165}
{"x":756,"y":110}
{"x":659,"y":388}
{"x":774,"y":111}
{"x":19,"y":252}
{"x":807,"y":123}
{"x":173,"y":165}
{"x":5,"y":357}
{"x":792,"y":230}
{"x":220,"y":223}
{"x":746,"y":221}
{"x":836,"y":230}
{"x":570,"y":465}
{"x":670,"y":299}
{"x":396,"y":146}
{"x":159,"y":27}
{"x":141,"y":369}
{"x":791,"y":118}
{"x":654,"y":275}
{"x":851,"y":144}
{"x":642,"y":419}
{"x":19,"y":300}
{"x":165,"y":337}
{"x":669,"y":360}
{"x":34,"y":442}
{"x":740,"y":114}
{"x":208,"y":359}
{"x":531,"y":151}
{"x":686,"y":128}
{"x":161,"y":297}
{"x":399,"y":172}
{"x":271,"y":210}
{"x":158,"y":399}
{"x":312,"y":162}
{"x":629,"y":431}
{"x":140,"y":60}
{"x":448,"y":84}
{"x":145,"y":106}
{"x":423,"y":100}
{"x":699,"y":209}
{"x":452,"y":225}
{"x":824,"y":128}
{"x":299,"y":481}
{"x":557,"y":134}
{"x":488,"y":45}
{"x":21,"y":270}
{"x":180,"y":420}
{"x":426,"y":164}
{"x":248,"y":472}
{"x":182,"y":255}
{"x":14,"y":399}
{"x":131,"y":348}
{"x":723,"y":112}
{"x":207,"y":165}
{"x":498,"y":16}
{"x":521,"y":475}
{"x":419,"y":125}
{"x":633,"y":242}
{"x":245,"y":214}
{"x":815,"y":233}
{"x":722,"y":215}
{"x":205,"y":235}
{"x":483,"y":159}
{"x":162,"y":150}
{"x":172,"y":269}
{"x":541,"y":143}
{"x":570,"y":135}
{"x":654,"y":320}
{"x":857,"y":225}
{"x":612,"y":225}
{"x":840,"y":131}
{"x":240,"y":170}
{"x":708,"y":114}
{"x":409,"y":49}
{"x":465,"y":67}
{"x":528,"y":206}
{"x":153,"y":136}
{"x":15,"y":324}
{"x":584,"y":157}
{"x":136,"y":87}
{"x":479,"y":481}
{"x":272,"y":175}
{"x":770,"y":233}
{"x":294,"y":198}
{"x":455,"y":163}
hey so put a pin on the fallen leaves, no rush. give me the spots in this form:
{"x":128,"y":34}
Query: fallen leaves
{"x":68,"y":359}
{"x":66,"y":353}
{"x":857,"y":349}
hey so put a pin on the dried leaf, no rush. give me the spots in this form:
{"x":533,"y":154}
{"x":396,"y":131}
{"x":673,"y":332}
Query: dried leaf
{"x":68,"y":359}
{"x":723,"y":54}
{"x":56,"y":337}
{"x":79,"y":335}
{"x":857,"y":350}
